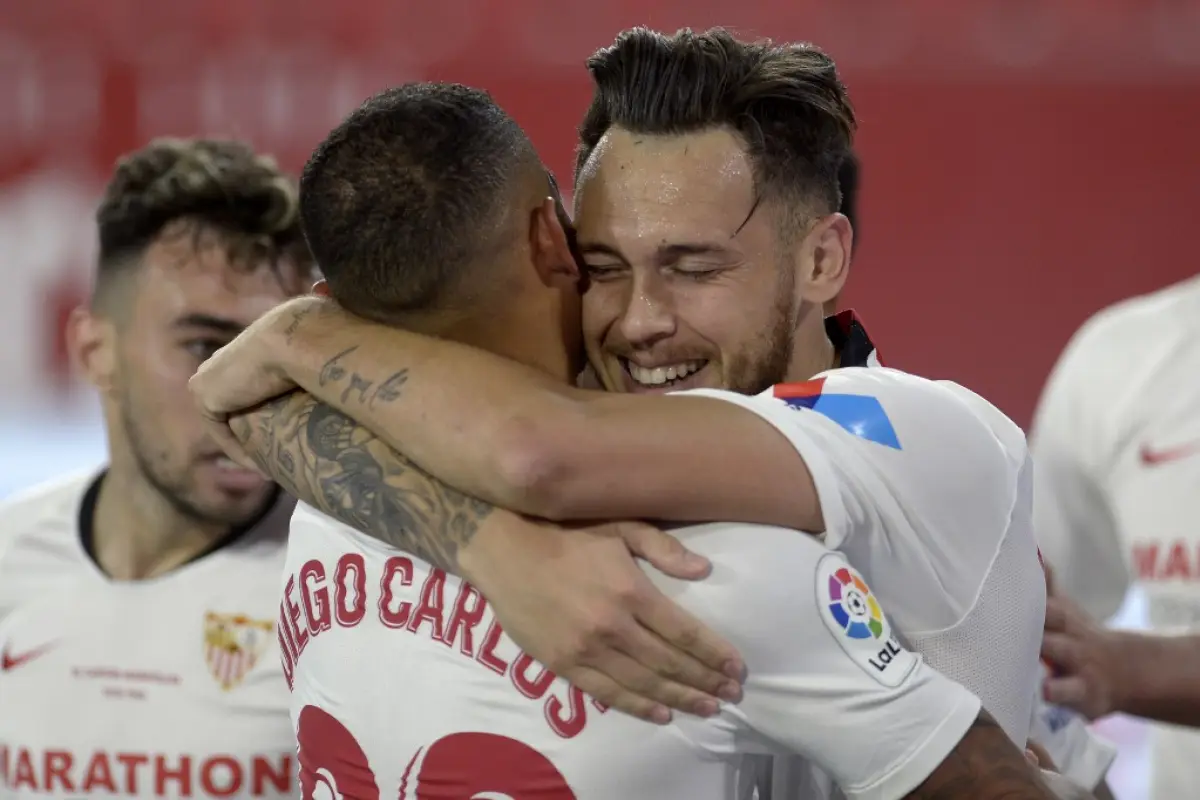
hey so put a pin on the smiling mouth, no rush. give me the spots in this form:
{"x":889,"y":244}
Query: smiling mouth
{"x":664,"y":376}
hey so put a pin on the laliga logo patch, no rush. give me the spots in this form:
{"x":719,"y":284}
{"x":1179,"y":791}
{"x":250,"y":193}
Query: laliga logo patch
{"x":858,"y":623}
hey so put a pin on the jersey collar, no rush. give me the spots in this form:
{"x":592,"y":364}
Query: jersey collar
{"x":851,"y":341}
{"x":87,"y":524}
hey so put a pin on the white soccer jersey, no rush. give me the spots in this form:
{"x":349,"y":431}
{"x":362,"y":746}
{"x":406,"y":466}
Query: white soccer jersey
{"x":169,"y":687}
{"x":926,"y":489}
{"x":1117,"y":443}
{"x":406,"y":687}
{"x":1081,"y":754}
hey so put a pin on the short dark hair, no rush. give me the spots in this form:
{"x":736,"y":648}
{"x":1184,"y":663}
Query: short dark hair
{"x":214,"y":184}
{"x":404,"y":196}
{"x":785,"y":101}
{"x":848,"y":182}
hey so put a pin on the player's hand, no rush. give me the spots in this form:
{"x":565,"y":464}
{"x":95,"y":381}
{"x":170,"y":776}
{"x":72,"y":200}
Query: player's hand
{"x":664,"y":552}
{"x":247,"y":372}
{"x":220,"y":390}
{"x":577,"y":602}
{"x":1038,"y":756}
{"x":1089,"y":665}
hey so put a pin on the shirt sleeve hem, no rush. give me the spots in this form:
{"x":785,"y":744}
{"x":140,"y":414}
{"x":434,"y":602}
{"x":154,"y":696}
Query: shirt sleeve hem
{"x":920,"y":763}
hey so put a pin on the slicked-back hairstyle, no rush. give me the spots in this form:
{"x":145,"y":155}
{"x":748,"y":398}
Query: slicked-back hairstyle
{"x":408,"y":194}
{"x":785,"y":101}
{"x":212,"y":185}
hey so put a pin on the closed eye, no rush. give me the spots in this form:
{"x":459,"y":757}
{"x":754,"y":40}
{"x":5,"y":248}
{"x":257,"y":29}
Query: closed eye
{"x":699,"y":272}
{"x":600,"y":272}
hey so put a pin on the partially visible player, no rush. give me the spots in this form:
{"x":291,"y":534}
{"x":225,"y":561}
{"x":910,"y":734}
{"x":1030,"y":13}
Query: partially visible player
{"x":1082,"y":756}
{"x":436,"y":699}
{"x":137,"y":602}
{"x":1117,"y":438}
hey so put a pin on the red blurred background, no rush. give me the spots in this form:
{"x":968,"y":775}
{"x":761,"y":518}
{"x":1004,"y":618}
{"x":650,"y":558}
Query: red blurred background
{"x":1025,"y":161}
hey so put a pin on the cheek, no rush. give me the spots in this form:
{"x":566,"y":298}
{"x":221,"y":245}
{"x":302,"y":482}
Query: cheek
{"x":601,"y":308}
{"x":733,"y":320}
{"x":157,"y":416}
{"x":159,"y":380}
{"x":176,"y":425}
{"x":723,"y":334}
{"x":172,"y":371}
{"x":718,"y":315}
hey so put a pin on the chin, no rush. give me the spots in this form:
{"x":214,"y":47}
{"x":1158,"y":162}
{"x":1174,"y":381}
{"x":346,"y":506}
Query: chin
{"x":237,"y":509}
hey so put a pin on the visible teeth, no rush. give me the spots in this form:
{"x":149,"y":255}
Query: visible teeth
{"x":224,"y":462}
{"x":657,"y":376}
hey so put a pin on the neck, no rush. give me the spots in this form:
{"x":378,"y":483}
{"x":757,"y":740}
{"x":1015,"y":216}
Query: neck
{"x":511,"y":338}
{"x":511,"y":334}
{"x":812,"y":352}
{"x":137,"y":533}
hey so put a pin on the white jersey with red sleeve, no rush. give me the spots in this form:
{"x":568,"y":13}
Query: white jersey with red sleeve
{"x":164,"y":688}
{"x":926,"y":488}
{"x":405,"y":686}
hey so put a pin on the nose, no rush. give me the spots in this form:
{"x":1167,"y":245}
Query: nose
{"x":649,"y":314}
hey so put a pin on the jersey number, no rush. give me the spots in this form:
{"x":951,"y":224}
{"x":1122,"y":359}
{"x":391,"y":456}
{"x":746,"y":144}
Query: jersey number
{"x":458,"y":766}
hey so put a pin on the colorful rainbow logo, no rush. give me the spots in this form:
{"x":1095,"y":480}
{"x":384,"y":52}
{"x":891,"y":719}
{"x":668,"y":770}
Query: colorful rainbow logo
{"x":853,"y":606}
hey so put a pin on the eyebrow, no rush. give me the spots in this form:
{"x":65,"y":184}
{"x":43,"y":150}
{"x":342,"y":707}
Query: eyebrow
{"x":215,"y":324}
{"x":665,"y":254}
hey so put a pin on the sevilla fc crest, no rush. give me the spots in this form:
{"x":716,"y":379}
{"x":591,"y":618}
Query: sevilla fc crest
{"x":233,"y":644}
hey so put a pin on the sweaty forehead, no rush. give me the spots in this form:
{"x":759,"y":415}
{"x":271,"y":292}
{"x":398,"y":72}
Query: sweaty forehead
{"x":644,"y":185}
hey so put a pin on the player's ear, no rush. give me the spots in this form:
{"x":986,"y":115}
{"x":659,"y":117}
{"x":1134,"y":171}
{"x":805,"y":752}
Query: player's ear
{"x":550,"y":234}
{"x":321,"y":288}
{"x":823,"y":259}
{"x":92,"y":342}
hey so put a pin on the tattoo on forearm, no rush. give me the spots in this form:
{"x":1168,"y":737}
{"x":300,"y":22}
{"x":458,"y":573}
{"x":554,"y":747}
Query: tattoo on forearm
{"x":986,"y":765}
{"x":331,"y":462}
{"x":359,"y":386}
{"x":367,"y":391}
{"x":297,"y":320}
{"x":333,"y":371}
{"x":388,"y":390}
{"x":328,"y":460}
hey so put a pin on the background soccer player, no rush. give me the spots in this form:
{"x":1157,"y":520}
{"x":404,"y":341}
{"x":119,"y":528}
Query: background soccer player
{"x":137,"y":603}
{"x":1081,"y":755}
{"x":1117,"y":439}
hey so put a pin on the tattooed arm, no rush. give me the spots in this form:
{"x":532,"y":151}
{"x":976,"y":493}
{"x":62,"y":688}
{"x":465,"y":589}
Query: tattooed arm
{"x":329,"y":461}
{"x":516,"y":436}
{"x":565,"y":600}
